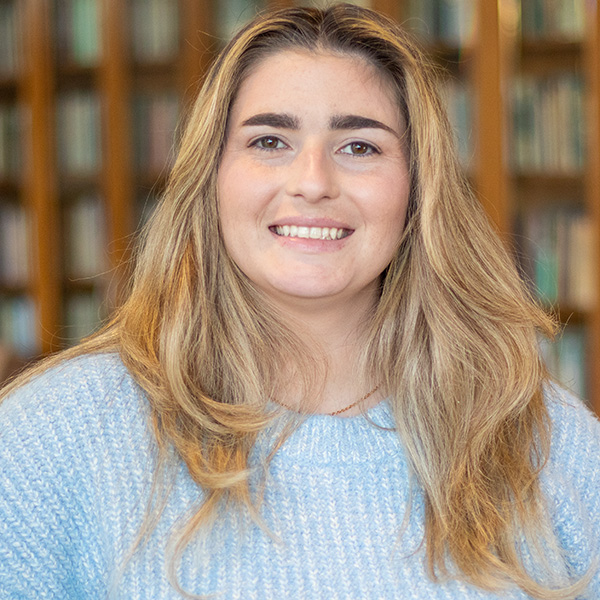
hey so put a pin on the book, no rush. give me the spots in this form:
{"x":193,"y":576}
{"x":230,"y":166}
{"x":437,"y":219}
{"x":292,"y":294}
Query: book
{"x":156,"y":116}
{"x":548,"y":123}
{"x":14,"y":244}
{"x":232,"y":14}
{"x":86,"y":237}
{"x":566,"y":357}
{"x":10,"y":50}
{"x":451,"y":22}
{"x":11,"y":159}
{"x":154,"y":30}
{"x":78,"y":34}
{"x":84,"y":314}
{"x":18,"y":324}
{"x":558,"y":255}
{"x":458,"y":98}
{"x":553,"y":19}
{"x":78,"y":132}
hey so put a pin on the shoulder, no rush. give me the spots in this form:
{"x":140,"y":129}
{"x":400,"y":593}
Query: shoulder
{"x":74,"y":461}
{"x":575,"y":433}
{"x":77,"y":391}
{"x":60,"y":422}
{"x":571,"y":481}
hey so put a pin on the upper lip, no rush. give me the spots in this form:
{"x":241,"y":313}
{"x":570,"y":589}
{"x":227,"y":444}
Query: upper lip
{"x":311,"y":222}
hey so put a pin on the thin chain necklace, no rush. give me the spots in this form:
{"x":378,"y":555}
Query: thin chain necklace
{"x":342,"y":410}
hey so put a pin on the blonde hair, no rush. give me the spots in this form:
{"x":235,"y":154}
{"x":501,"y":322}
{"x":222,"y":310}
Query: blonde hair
{"x":452,"y":337}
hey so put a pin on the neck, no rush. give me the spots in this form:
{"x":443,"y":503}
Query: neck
{"x":333,"y":331}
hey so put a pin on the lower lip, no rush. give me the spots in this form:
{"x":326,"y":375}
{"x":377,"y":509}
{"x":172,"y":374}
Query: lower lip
{"x":311,"y":245}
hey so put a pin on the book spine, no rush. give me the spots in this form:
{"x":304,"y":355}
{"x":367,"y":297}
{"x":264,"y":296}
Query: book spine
{"x":156,"y":30}
{"x":14,"y":245}
{"x":18,"y":325}
{"x":10,"y":52}
{"x":85,"y":38}
{"x":86,"y":235}
{"x":78,"y":132}
{"x":83,"y":315}
{"x":548,"y":124}
{"x":559,"y":256}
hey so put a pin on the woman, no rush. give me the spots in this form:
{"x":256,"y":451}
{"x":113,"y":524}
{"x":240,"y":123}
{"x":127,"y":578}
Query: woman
{"x":325,"y":382}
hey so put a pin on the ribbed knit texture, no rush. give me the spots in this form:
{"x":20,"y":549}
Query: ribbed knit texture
{"x":76,"y":464}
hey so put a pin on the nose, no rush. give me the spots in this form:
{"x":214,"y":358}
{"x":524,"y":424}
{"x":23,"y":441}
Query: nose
{"x":312,"y":175}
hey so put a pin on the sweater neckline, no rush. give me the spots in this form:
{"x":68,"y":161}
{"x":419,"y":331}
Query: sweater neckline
{"x":321,"y":439}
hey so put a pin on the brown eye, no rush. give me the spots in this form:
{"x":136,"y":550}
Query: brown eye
{"x":359,"y":149}
{"x":269,"y":142}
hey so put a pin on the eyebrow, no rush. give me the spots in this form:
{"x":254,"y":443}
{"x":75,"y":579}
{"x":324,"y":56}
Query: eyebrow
{"x":337,"y":122}
{"x":281,"y":120}
{"x":357,"y":122}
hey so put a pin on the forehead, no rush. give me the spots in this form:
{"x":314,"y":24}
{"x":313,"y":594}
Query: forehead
{"x":303,"y":79}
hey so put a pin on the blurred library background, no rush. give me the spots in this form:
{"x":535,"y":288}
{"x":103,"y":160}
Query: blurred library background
{"x":92,"y":92}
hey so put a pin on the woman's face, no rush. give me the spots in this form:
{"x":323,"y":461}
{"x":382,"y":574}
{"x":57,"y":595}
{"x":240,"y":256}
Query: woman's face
{"x":313,"y":184}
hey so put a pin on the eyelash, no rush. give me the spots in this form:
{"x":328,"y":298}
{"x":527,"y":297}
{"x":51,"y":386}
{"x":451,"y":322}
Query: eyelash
{"x":257,"y":143}
{"x":370,"y":149}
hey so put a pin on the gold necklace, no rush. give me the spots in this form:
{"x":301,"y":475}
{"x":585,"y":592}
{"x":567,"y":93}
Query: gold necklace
{"x":341,"y":410}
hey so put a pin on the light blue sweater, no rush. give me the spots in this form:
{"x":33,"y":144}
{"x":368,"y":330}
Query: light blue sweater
{"x":76,"y":464}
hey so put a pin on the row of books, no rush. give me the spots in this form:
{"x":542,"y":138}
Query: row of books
{"x":232,"y":14}
{"x":566,"y":358}
{"x":9,"y":44}
{"x":458,"y":98}
{"x":77,"y":31}
{"x":85,"y":252}
{"x":18,"y":324}
{"x":155,"y":123}
{"x":548,"y":123}
{"x":10,"y":140}
{"x":84,"y":313}
{"x":562,"y":19}
{"x":85,"y":255}
{"x":451,"y":22}
{"x":155,"y":30}
{"x":14,"y":244}
{"x":558,"y":245}
{"x":78,"y":132}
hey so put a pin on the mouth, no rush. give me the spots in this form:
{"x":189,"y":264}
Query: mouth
{"x":311,"y":233}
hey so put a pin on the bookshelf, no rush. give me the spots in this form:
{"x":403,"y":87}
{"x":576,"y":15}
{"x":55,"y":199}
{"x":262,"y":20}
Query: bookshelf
{"x":529,"y":73}
{"x":554,"y":156}
{"x":123,"y":72}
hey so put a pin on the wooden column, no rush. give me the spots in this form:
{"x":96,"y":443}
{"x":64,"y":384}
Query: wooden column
{"x":592,"y":186}
{"x":40,"y":177}
{"x":118,"y":188}
{"x":390,"y":8}
{"x":491,"y":176}
{"x":198,"y":47}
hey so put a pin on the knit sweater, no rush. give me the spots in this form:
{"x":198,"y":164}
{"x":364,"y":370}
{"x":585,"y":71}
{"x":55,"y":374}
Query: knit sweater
{"x":76,"y":470}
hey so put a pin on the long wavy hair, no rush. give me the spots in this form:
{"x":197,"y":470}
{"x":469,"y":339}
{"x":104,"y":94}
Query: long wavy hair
{"x":452,"y":337}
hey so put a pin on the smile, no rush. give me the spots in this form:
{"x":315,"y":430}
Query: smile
{"x":311,"y":233}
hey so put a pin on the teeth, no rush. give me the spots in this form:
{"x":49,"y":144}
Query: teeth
{"x":312,"y":233}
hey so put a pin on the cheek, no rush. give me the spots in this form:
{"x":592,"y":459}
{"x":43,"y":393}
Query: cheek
{"x":392,"y":206}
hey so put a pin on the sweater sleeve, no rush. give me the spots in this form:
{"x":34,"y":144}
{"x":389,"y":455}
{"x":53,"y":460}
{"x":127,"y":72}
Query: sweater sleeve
{"x":51,"y":542}
{"x":572,"y":485}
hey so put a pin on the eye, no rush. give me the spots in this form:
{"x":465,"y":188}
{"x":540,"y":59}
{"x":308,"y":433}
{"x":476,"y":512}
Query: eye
{"x":359,"y":149}
{"x":268,"y":142}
